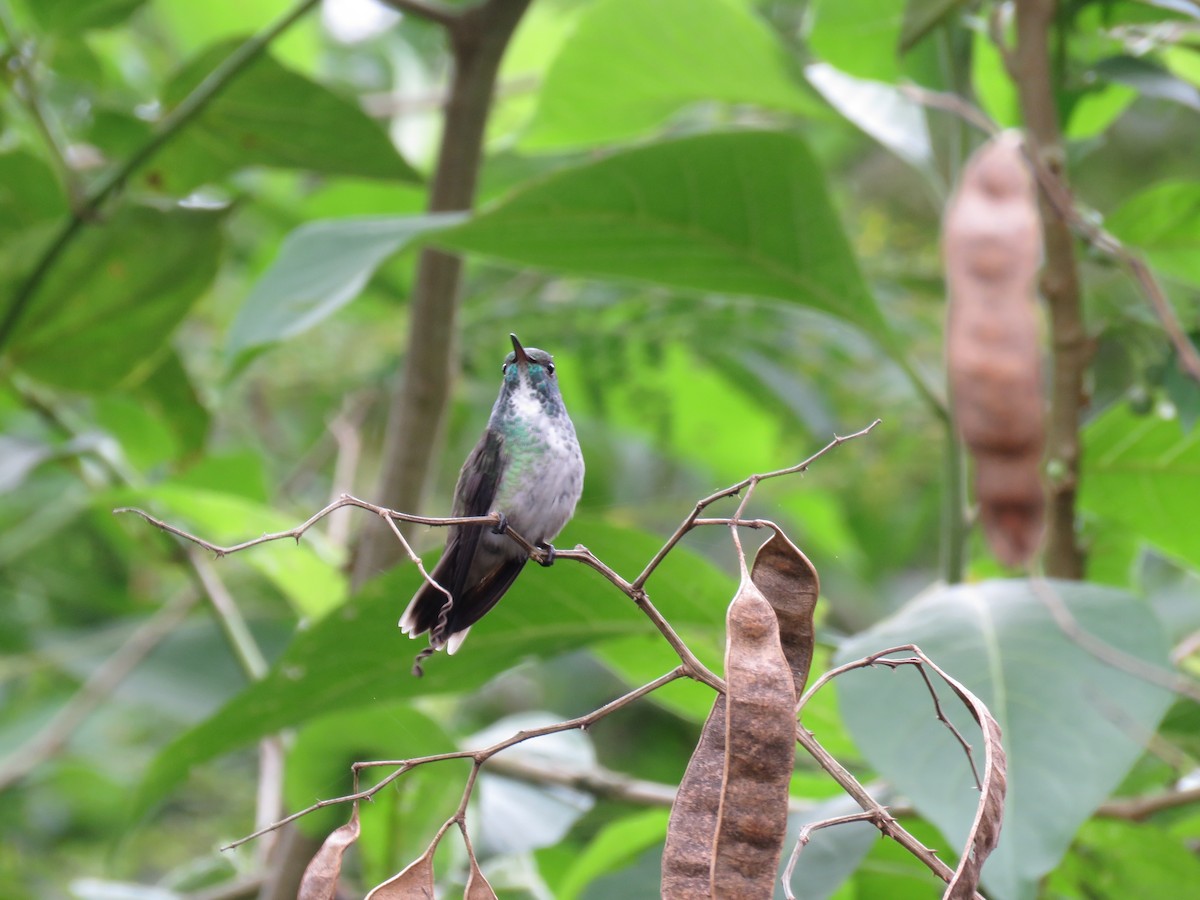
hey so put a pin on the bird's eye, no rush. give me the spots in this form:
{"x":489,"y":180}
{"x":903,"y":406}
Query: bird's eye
{"x":550,"y":368}
{"x":504,"y":369}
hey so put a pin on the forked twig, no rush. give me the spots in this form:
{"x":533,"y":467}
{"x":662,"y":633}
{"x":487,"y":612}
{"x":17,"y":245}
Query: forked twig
{"x":732,"y":491}
{"x":479,"y":757}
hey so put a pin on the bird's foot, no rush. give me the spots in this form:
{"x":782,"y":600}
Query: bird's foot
{"x":548,"y":550}
{"x":500,"y":527}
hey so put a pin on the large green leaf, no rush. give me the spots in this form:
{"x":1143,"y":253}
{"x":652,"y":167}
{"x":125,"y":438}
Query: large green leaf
{"x":630,"y":64}
{"x":269,"y":116}
{"x":356,"y":654}
{"x":1072,"y":725}
{"x":739,"y":213}
{"x":116,"y":294}
{"x":1126,"y":859}
{"x":74,"y":16}
{"x":616,"y":845}
{"x":921,"y":17}
{"x":29,"y":193}
{"x":1164,"y":221}
{"x":1142,"y":472}
{"x":861,"y":37}
{"x":321,"y":267}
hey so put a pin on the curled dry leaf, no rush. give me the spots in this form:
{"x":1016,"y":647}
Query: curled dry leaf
{"x":790,"y":583}
{"x":414,"y":882}
{"x":992,"y":248}
{"x":321,"y":875}
{"x":985,"y":830}
{"x":760,"y":750}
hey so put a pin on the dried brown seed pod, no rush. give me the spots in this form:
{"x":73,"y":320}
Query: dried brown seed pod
{"x":992,"y":246}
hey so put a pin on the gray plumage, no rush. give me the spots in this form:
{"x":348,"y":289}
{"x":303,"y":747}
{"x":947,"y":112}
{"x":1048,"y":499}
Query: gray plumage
{"x":527,"y":466}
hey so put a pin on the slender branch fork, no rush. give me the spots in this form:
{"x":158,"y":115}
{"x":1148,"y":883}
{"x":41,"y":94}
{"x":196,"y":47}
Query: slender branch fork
{"x":635,"y":590}
{"x":690,"y":667}
{"x":478,"y":757}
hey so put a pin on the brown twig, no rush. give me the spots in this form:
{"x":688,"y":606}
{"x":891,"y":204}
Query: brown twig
{"x":805,"y":836}
{"x":479,"y":757}
{"x":1136,"y":809}
{"x":884,"y":820}
{"x":733,"y":490}
{"x":696,"y":669}
{"x":886,"y":823}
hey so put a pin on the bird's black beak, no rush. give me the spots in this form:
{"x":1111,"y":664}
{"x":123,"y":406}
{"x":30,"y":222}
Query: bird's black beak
{"x":522,"y":359}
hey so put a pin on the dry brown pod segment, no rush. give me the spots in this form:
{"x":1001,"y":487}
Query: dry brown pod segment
{"x":770,"y":638}
{"x":760,"y":745}
{"x":687,"y":856}
{"x":320,"y":878}
{"x":790,"y":583}
{"x":414,"y":882}
{"x":991,"y":244}
{"x":477,"y":886}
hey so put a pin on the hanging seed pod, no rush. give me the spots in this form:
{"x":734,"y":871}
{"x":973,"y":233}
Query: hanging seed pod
{"x":991,"y":244}
{"x":760,"y":750}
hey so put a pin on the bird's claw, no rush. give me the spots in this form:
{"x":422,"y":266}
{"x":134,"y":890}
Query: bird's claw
{"x":500,"y":527}
{"x":547,"y":559}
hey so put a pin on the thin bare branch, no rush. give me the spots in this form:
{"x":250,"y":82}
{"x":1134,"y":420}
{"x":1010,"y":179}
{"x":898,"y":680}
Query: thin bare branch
{"x":1136,"y":809}
{"x":733,"y":490}
{"x":884,"y":820}
{"x":478,"y":756}
{"x":954,"y":104}
{"x":297,"y":532}
{"x":805,"y":835}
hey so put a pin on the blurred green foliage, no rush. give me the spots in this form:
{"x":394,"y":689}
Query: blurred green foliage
{"x":729,"y":272}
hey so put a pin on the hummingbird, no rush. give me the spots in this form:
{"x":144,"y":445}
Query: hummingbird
{"x":528,"y":468}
